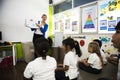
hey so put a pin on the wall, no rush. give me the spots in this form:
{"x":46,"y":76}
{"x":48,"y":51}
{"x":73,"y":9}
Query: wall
{"x":85,"y":39}
{"x":13,"y":14}
{"x":62,"y":22}
{"x":57,"y":1}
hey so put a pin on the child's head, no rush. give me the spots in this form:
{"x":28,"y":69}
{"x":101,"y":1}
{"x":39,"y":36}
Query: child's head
{"x":98,"y":41}
{"x":69,"y":44}
{"x":93,"y":47}
{"x":41,"y":47}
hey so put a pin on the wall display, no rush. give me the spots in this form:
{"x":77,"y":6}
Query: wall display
{"x":67,"y":21}
{"x":89,"y":19}
{"x":58,"y":23}
{"x":107,"y":46}
{"x":109,"y":15}
{"x":82,"y":43}
{"x":58,"y":39}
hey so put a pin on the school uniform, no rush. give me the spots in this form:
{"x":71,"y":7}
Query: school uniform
{"x":96,"y":64}
{"x":39,"y":32}
{"x":40,"y":69}
{"x":71,"y":60}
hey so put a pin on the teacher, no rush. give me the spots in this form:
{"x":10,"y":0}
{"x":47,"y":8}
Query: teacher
{"x":42,"y":28}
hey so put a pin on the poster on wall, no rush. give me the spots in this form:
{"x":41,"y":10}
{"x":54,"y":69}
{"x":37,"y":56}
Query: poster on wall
{"x":109,"y":15}
{"x":67,"y":18}
{"x":67,"y":21}
{"x":74,"y":26}
{"x":75,"y":21}
{"x":57,"y":23}
{"x":89,"y":19}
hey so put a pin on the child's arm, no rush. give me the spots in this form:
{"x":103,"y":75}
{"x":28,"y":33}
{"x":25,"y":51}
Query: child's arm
{"x":112,"y":60}
{"x":63,"y":68}
{"x":60,"y":65}
{"x":86,"y":63}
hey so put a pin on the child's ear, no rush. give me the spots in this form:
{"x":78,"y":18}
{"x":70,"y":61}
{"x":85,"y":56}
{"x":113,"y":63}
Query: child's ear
{"x":68,"y":47}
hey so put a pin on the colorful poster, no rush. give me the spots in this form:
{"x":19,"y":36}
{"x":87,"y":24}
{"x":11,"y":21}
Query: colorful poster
{"x":89,"y":19}
{"x":111,"y":25}
{"x":67,"y":21}
{"x":89,"y":23}
{"x":109,"y":10}
{"x":103,"y":25}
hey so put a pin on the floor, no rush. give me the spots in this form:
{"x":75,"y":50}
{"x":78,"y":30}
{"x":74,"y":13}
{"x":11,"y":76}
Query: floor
{"x":16,"y":72}
{"x":109,"y":71}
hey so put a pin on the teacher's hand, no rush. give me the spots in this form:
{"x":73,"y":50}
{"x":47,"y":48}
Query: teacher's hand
{"x":38,"y":25}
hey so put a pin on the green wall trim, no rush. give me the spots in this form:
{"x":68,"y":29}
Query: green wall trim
{"x":50,"y":29}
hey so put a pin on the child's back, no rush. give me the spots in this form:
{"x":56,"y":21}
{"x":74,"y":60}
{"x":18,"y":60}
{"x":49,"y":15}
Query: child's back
{"x":71,"y":59}
{"x":41,"y":69}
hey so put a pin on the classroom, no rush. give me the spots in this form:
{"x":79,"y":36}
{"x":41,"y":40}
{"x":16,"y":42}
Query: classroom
{"x":64,"y":35}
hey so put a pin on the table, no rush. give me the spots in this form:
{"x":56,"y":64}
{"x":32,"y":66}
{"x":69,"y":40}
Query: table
{"x":9,"y":47}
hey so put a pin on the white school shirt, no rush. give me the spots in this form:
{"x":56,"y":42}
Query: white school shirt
{"x":95,"y":61}
{"x":38,"y":31}
{"x":71,"y":60}
{"x":40,"y":69}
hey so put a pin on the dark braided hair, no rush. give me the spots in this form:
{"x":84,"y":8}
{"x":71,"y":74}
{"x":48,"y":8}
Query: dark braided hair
{"x":70,"y":42}
{"x":77,"y":48}
{"x":41,"y":47}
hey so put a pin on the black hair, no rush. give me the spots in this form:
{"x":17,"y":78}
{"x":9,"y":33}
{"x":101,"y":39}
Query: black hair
{"x":98,"y":41}
{"x":41,"y":47}
{"x":77,"y":48}
{"x":70,"y":42}
{"x":117,"y":26}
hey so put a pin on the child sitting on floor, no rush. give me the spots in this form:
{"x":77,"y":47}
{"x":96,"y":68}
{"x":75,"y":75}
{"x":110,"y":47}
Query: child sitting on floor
{"x":94,"y":64}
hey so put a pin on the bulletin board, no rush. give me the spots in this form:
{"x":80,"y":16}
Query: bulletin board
{"x":109,"y":15}
{"x":89,"y":18}
{"x":67,"y":22}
